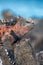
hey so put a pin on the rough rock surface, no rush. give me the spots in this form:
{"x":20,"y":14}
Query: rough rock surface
{"x":24,"y":54}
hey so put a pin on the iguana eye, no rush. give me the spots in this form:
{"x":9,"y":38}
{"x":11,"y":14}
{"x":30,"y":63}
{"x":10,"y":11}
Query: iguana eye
{"x":3,"y":32}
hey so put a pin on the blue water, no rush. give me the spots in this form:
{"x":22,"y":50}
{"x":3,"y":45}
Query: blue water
{"x":24,"y":8}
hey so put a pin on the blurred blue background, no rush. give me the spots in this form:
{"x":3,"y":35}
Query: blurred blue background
{"x":24,"y":8}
